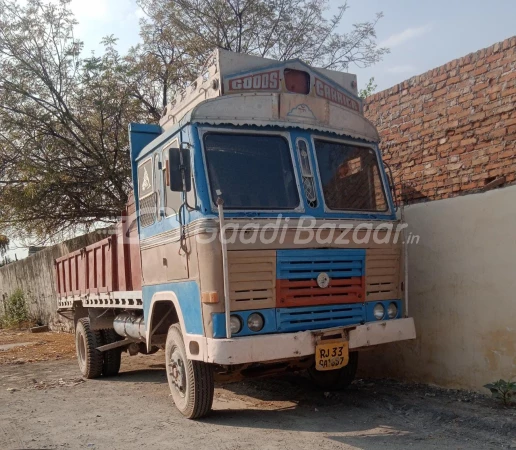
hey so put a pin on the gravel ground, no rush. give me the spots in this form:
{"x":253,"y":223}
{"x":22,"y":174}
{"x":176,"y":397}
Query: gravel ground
{"x":46,"y":404}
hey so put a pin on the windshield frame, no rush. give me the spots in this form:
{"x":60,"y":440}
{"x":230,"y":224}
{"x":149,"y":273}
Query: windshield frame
{"x":300,"y":208}
{"x":379,"y":161}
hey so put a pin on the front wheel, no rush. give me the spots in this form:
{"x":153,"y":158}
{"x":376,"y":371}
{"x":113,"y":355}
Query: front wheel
{"x":191,"y":382}
{"x":334,"y":380}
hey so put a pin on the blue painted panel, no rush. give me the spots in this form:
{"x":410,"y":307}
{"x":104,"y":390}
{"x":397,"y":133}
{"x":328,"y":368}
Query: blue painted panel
{"x":307,"y":264}
{"x":140,"y":135}
{"x":189,"y":297}
{"x":369,"y":306}
{"x":219,"y":323}
{"x":317,"y":317}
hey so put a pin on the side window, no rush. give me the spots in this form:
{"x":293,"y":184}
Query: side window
{"x":172,"y":199}
{"x":306,"y":172}
{"x":146,"y":193}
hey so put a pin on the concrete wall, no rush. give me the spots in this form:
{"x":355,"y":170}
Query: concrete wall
{"x":35,"y":276}
{"x":462,"y":289}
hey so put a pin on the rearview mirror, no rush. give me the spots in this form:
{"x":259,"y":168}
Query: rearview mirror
{"x":179,"y":170}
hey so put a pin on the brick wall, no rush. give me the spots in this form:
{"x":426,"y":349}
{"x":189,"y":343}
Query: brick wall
{"x":451,"y":130}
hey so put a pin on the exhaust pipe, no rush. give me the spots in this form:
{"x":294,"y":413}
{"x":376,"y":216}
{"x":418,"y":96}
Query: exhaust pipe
{"x":130,"y":326}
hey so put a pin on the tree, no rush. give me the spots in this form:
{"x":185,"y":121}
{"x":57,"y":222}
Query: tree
{"x":369,"y":88}
{"x":158,"y":67}
{"x":64,"y":160}
{"x":4,"y":244}
{"x":63,"y":124}
{"x":277,"y":29}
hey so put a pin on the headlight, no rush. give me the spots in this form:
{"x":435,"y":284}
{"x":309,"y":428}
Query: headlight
{"x":392,"y":310}
{"x":235,"y":324}
{"x":255,"y":322}
{"x":378,"y":311}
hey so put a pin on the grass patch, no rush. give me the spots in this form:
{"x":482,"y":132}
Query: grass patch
{"x":16,"y":312}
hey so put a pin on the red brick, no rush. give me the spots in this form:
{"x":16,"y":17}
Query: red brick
{"x":509,"y":92}
{"x":469,"y":141}
{"x":494,"y":57}
{"x":452,"y":80}
{"x":507,"y":154}
{"x":481,"y":70}
{"x":455,"y":109}
{"x":498,"y":133}
{"x":479,"y":87}
{"x":466,"y":68}
{"x":477,"y":116}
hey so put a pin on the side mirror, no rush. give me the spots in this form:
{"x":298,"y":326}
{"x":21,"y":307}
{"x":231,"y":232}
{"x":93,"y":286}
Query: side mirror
{"x":179,"y":170}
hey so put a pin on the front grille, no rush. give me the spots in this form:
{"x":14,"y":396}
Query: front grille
{"x":297,"y":272}
{"x":313,"y":318}
{"x":382,"y":274}
{"x":252,"y":279}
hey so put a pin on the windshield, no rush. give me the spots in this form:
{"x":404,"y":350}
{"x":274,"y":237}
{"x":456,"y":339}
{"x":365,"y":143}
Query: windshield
{"x":250,"y":171}
{"x":350,"y":177}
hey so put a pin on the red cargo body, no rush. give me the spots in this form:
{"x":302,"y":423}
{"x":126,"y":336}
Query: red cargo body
{"x":110,"y":265}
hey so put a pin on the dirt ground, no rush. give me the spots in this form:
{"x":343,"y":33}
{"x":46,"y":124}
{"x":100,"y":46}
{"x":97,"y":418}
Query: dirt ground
{"x":36,"y":346}
{"x":46,"y":404}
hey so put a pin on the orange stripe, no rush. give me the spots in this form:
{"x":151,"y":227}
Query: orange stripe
{"x":308,"y":293}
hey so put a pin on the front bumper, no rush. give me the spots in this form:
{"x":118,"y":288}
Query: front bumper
{"x":274,"y":347}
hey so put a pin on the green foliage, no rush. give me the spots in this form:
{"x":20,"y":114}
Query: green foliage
{"x":503,"y":390}
{"x":16,"y":311}
{"x":369,"y":89}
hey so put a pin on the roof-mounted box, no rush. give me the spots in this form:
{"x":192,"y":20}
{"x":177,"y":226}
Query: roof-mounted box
{"x":238,"y":73}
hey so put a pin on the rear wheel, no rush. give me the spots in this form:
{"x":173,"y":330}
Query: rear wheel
{"x":113,"y":357}
{"x":86,"y":343}
{"x":191,"y":382}
{"x":334,"y":380}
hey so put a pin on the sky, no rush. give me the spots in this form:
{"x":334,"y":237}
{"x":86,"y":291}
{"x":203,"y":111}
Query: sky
{"x":420,"y":34}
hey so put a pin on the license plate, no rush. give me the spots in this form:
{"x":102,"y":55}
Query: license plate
{"x":331,"y":355}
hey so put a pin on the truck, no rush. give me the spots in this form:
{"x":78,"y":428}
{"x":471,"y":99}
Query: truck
{"x":262,"y":236}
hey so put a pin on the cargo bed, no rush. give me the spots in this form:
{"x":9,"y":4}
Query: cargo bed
{"x":106,"y":274}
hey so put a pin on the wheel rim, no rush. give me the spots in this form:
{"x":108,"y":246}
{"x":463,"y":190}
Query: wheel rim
{"x":177,"y":372}
{"x":81,"y":349}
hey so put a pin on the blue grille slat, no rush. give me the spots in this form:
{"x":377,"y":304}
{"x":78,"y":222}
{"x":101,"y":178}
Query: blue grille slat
{"x":331,"y":273}
{"x":293,"y":266}
{"x":307,"y":264}
{"x":320,"y":253}
{"x":315,"y":317}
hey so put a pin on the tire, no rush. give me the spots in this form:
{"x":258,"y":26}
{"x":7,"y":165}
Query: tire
{"x":335,"y":380}
{"x":113,"y":357}
{"x":191,"y":382}
{"x":86,"y":343}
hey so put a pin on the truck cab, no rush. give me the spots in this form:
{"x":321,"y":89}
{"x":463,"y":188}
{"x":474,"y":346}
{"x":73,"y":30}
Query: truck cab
{"x":266,"y":232}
